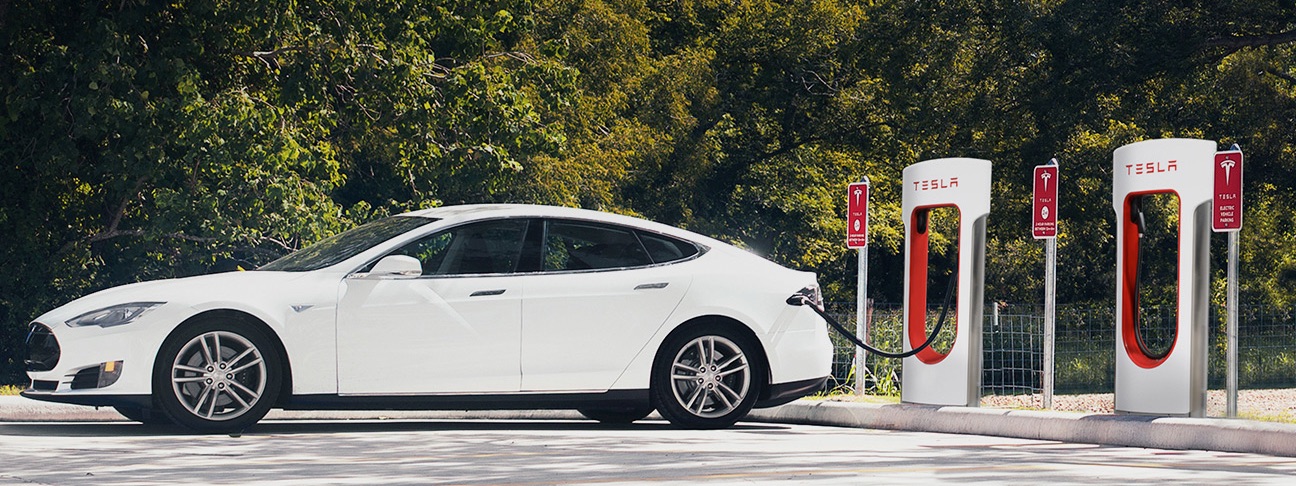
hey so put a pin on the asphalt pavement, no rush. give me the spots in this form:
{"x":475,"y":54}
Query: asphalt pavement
{"x":571,"y":452}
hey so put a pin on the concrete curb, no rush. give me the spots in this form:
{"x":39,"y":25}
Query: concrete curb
{"x":1226,"y":435}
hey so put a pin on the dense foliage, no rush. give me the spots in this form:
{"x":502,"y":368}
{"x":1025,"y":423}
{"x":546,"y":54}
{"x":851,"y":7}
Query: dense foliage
{"x":143,"y":140}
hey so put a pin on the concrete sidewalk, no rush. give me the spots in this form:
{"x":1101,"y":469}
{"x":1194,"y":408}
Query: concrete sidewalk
{"x":1228,"y":435}
{"x":1213,"y":434}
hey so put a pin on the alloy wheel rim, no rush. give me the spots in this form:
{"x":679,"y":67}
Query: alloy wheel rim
{"x":710,"y":376}
{"x":218,"y":375}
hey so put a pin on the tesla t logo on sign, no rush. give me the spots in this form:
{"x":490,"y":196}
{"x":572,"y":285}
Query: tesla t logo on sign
{"x":1044,"y":214}
{"x":857,"y":215}
{"x":1226,"y":214}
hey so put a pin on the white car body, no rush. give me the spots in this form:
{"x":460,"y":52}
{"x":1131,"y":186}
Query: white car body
{"x":512,"y":340}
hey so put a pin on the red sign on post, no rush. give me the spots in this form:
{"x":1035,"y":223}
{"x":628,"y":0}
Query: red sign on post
{"x":857,"y":195}
{"x":1044,"y":211}
{"x":1226,"y":214}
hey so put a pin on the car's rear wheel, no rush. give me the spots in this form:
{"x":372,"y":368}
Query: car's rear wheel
{"x":146,"y":416}
{"x":706,"y":378}
{"x":616,"y":415}
{"x":217,"y":375}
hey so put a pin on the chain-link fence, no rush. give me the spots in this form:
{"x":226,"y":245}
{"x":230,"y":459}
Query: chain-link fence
{"x":1084,"y":347}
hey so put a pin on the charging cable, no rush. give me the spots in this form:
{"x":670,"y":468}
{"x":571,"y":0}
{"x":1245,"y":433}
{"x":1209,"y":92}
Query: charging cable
{"x":800,"y":299}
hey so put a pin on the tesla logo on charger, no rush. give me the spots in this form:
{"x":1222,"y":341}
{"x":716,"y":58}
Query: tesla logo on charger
{"x":932,"y":184}
{"x":1154,"y":167}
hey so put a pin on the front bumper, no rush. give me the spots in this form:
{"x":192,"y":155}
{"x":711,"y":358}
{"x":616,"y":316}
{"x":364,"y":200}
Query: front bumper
{"x":93,"y":365}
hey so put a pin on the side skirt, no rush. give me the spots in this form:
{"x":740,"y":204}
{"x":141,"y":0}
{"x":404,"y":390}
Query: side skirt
{"x":560,"y":401}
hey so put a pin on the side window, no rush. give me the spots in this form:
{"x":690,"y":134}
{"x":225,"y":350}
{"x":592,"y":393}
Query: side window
{"x":478,"y":248}
{"x":571,"y":245}
{"x":664,"y":249}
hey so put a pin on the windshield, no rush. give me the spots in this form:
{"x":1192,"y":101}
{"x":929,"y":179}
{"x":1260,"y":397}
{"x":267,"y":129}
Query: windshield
{"x":344,"y":245}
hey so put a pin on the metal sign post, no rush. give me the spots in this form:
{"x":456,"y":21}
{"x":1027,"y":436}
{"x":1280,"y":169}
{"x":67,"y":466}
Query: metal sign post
{"x":857,"y":237}
{"x":1050,"y":317}
{"x":1226,"y":216}
{"x":1232,"y":328}
{"x":1044,"y":226}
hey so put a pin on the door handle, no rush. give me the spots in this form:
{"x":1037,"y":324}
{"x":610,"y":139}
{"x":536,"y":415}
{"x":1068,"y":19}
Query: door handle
{"x":483,"y":293}
{"x":652,"y":286}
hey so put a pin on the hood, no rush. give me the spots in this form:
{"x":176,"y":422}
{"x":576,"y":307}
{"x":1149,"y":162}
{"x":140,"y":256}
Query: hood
{"x":228,"y":286}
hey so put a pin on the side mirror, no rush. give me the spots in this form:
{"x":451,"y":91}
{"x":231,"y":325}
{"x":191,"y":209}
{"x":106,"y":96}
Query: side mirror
{"x":397,"y":266}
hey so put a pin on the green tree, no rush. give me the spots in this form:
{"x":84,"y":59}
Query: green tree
{"x":146,"y":140}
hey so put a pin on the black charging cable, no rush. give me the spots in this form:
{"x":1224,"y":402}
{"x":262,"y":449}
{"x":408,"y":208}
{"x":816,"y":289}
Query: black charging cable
{"x":800,"y":299}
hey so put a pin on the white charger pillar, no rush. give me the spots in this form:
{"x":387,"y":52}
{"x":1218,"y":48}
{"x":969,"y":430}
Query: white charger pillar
{"x":953,"y":377}
{"x":1173,"y":382}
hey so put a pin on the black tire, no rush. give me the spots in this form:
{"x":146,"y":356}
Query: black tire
{"x":146,"y":416}
{"x":720,"y":375}
{"x":616,"y":415}
{"x":190,"y":386}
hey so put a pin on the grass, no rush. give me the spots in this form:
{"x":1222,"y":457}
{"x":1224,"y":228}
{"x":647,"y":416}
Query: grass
{"x":851,"y":397}
{"x":10,"y":389}
{"x":1285,"y":418}
{"x":875,"y":399}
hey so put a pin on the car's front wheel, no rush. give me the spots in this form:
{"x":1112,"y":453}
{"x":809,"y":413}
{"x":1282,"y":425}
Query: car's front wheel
{"x":706,"y":378}
{"x":217,"y":375}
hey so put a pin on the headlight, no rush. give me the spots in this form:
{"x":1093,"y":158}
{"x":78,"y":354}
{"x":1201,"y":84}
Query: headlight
{"x":113,"y":316}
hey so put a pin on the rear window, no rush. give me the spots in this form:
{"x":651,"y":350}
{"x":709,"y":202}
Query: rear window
{"x":664,"y":249}
{"x":572,"y":245}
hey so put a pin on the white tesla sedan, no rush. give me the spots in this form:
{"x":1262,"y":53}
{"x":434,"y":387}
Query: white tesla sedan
{"x":454,"y":308}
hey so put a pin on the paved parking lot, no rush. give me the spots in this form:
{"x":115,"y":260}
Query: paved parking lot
{"x":578,"y":452}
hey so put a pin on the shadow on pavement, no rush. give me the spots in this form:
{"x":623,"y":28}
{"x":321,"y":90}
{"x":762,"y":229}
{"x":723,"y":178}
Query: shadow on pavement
{"x":295,"y":427}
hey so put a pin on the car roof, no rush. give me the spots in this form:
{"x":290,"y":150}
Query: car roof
{"x":502,"y":210}
{"x":477,"y":211}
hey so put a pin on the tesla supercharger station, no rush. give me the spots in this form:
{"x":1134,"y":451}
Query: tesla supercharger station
{"x":1174,"y":382}
{"x":954,"y":377}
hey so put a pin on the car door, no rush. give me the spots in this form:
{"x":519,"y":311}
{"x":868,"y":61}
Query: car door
{"x":597,"y":302}
{"x":454,"y":329}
